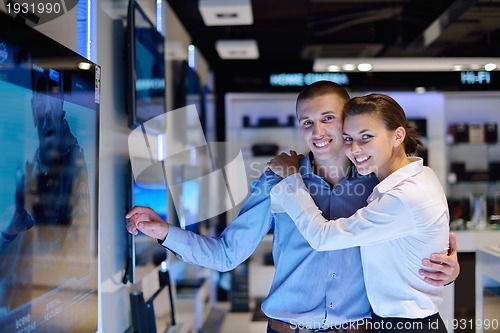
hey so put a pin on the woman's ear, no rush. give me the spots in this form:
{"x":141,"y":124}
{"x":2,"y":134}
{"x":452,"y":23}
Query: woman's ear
{"x":399,"y":136}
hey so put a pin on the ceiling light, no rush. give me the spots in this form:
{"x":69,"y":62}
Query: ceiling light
{"x":348,"y":67}
{"x":333,"y":68}
{"x":490,"y":67}
{"x":237,"y":49}
{"x":420,"y":90}
{"x":84,"y":66}
{"x":365,"y":67}
{"x":226,"y":12}
{"x":394,"y":64}
{"x":192,"y":56}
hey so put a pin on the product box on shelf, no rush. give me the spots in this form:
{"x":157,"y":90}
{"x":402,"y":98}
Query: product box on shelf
{"x":459,"y":132}
{"x":494,"y":170}
{"x":491,"y":132}
{"x":476,"y":133}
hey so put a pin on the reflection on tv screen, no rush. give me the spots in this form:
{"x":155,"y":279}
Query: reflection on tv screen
{"x":155,"y":198}
{"x":147,"y":250}
{"x":48,"y":175}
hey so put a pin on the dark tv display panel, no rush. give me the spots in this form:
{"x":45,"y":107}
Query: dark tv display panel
{"x":144,"y":251}
{"x":49,"y":132}
{"x":145,"y":68}
{"x":187,"y":89}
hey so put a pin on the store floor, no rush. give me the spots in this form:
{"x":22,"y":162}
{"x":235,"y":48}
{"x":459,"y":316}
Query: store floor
{"x":222,"y":320}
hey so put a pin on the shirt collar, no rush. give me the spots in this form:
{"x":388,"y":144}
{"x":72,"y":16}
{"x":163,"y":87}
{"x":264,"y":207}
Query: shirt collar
{"x":416,"y":165}
{"x":305,"y":165}
{"x":306,"y":168}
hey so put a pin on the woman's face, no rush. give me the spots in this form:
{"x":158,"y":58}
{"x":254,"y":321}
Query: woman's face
{"x":369,"y":144}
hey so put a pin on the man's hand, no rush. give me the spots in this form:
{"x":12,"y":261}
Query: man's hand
{"x":446,"y":266}
{"x":145,"y":219}
{"x":285,"y":165}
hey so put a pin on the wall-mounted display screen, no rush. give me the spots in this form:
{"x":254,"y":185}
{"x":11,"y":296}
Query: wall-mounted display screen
{"x":143,"y":251}
{"x":146,"y":249}
{"x":187,"y":88}
{"x":49,"y":132}
{"x":145,"y":68}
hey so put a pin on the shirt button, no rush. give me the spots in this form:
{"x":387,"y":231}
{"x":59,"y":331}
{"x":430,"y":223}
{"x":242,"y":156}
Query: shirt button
{"x":331,"y":305}
{"x":334,"y":275}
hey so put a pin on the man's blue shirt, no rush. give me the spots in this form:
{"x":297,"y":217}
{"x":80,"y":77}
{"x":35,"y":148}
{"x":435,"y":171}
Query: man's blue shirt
{"x":310,"y":289}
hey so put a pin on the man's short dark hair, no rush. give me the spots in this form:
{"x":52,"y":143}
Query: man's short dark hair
{"x":320,"y":88}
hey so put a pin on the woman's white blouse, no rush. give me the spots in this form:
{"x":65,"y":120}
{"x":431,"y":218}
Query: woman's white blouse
{"x":405,"y":221}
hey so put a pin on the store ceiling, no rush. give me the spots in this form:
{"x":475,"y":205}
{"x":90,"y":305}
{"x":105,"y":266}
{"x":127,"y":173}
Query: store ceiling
{"x":291,"y":34}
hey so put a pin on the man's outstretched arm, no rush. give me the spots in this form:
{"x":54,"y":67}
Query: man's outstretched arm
{"x":223,"y":252}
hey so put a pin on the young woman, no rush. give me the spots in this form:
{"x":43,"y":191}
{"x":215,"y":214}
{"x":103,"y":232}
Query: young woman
{"x":406,"y":218}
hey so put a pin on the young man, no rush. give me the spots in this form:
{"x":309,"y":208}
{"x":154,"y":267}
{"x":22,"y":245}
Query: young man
{"x":313,"y":290}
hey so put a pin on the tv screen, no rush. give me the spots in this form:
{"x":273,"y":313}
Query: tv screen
{"x":154,"y":197}
{"x":49,"y":132}
{"x":147,"y":250}
{"x":144,"y":251}
{"x":145,"y":67}
{"x":187,"y":89}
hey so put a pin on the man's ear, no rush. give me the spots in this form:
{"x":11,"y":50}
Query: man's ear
{"x":399,"y":136}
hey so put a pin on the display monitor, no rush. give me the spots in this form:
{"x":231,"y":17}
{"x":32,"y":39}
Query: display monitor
{"x":147,"y":250}
{"x":187,"y":89}
{"x":49,"y":132}
{"x":145,"y":67}
{"x":143,"y":252}
{"x":154,"y":197}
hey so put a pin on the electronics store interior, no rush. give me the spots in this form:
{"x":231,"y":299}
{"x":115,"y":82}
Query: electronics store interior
{"x":166,"y":115}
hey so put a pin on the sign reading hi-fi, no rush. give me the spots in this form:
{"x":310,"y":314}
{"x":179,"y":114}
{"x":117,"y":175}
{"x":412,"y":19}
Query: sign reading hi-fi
{"x":471,"y":77}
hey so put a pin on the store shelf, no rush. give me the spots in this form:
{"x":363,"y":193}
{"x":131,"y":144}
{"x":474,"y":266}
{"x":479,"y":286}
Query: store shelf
{"x":473,"y":167}
{"x":487,"y":279}
{"x":480,"y":144}
{"x":471,"y":240}
{"x":194,"y":300}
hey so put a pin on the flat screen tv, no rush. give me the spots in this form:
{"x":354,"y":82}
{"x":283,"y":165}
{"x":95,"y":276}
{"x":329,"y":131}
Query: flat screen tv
{"x":144,"y":251}
{"x":187,"y":89}
{"x":49,"y":132}
{"x":145,"y":67}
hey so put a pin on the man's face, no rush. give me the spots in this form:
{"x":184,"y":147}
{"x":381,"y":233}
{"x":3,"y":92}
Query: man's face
{"x":48,"y":116}
{"x":320,"y":121}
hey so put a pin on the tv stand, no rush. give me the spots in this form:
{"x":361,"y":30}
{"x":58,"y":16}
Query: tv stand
{"x":194,"y":295}
{"x":144,"y":317}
